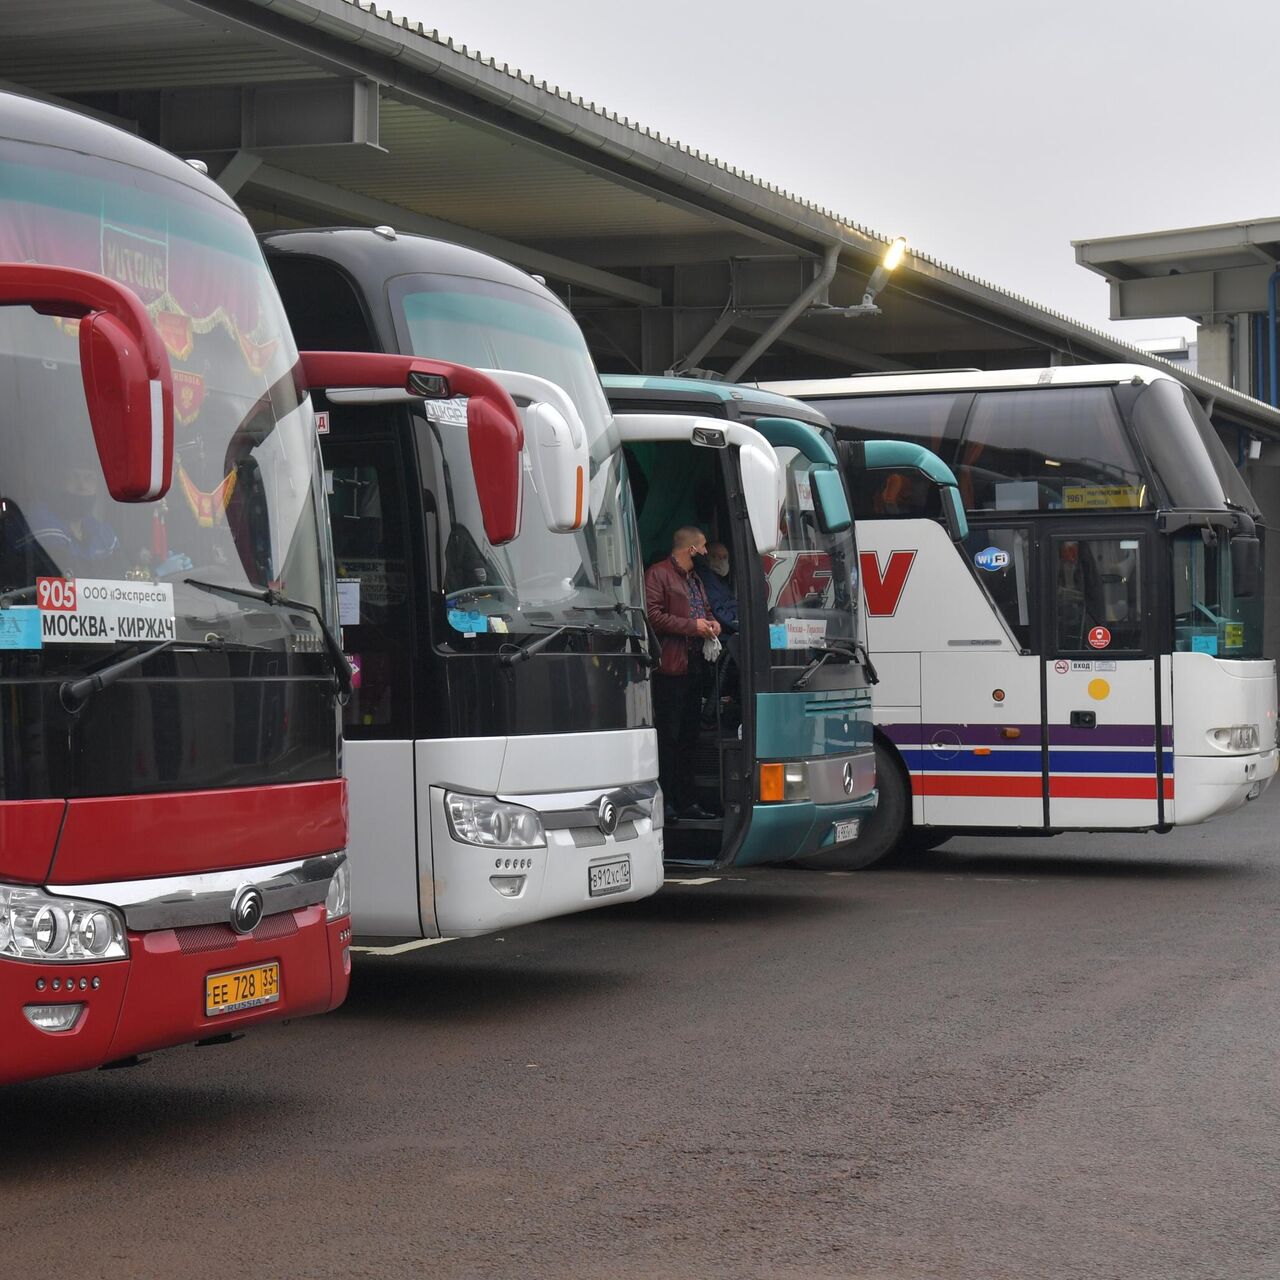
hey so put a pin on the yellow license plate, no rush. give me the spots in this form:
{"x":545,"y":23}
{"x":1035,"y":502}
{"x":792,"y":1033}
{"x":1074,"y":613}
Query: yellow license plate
{"x":241,"y":989}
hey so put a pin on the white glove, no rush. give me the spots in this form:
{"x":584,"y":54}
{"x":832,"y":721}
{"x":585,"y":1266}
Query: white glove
{"x":711,"y":648}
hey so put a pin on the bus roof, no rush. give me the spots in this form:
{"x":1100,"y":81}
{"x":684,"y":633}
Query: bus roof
{"x":42,"y":124}
{"x":974,"y":380}
{"x":374,"y":256}
{"x":753,"y":399}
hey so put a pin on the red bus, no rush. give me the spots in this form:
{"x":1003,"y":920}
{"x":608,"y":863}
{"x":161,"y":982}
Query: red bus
{"x":173,"y":817}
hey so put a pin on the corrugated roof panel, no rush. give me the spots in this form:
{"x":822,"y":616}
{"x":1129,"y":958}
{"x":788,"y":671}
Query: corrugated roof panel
{"x":466,"y":175}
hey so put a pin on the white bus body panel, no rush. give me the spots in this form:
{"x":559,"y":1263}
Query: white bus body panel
{"x":382,"y":838}
{"x":943,"y":652}
{"x":1211,"y":693}
{"x":411,"y":879}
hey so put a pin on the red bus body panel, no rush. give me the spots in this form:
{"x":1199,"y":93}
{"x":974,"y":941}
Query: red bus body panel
{"x":28,"y":837}
{"x":184,"y":832}
{"x":154,"y":999}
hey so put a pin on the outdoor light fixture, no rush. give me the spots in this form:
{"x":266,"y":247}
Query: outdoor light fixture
{"x":880,"y":276}
{"x":893,"y":256}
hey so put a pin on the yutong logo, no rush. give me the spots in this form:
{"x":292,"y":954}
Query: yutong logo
{"x":607,"y":816}
{"x":246,"y":909}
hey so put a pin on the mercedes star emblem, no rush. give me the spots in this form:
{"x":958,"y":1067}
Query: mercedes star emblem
{"x":848,"y":777}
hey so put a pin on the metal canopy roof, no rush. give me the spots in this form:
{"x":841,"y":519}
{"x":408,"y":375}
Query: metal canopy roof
{"x":1205,"y":273}
{"x":321,"y":111}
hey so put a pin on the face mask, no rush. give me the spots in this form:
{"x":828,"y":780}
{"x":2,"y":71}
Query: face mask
{"x":719,"y":567}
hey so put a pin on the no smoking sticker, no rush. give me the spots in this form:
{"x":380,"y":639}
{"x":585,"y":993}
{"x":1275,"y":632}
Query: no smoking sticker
{"x":1099,"y":638}
{"x":1062,"y":666}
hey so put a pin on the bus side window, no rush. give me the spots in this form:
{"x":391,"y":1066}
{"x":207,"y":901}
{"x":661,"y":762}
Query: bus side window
{"x":369,"y":548}
{"x":1097,"y":595}
{"x":1004,"y":562}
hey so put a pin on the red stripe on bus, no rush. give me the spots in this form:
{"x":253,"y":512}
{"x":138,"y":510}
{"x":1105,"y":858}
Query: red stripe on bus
{"x":1061,"y":786}
{"x":1066,"y":787}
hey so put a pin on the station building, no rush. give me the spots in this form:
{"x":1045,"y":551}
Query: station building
{"x":324,"y":112}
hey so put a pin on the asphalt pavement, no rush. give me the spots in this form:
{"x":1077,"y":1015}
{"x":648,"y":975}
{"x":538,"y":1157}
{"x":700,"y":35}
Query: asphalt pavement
{"x":1047,"y":1058}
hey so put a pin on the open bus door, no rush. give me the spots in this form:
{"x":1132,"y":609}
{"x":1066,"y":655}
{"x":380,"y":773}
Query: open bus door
{"x":734,"y":469}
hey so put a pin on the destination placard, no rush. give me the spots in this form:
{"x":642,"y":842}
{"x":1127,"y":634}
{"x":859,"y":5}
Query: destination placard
{"x":104,"y":611}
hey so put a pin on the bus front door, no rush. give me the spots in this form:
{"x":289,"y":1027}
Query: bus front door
{"x":1107,"y":699}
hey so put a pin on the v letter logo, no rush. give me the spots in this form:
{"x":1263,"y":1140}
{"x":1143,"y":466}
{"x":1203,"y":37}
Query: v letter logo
{"x":884,"y":587}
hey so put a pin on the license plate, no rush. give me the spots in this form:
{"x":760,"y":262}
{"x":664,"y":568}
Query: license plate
{"x":241,"y":989}
{"x":847,"y":830}
{"x":609,"y":877}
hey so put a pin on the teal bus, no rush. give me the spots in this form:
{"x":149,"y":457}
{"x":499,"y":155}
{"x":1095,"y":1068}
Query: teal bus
{"x":785,"y":764}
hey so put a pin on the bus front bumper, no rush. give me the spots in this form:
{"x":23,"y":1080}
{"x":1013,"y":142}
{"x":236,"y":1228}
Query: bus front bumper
{"x":176,"y":986}
{"x":1209,"y":786}
{"x":780,"y":832}
{"x":582,"y":866}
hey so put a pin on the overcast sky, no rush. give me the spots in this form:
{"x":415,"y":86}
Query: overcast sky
{"x":990,"y":132}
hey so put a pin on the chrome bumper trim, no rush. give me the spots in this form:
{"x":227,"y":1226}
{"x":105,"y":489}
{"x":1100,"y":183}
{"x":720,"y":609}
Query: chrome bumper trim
{"x":175,"y":902}
{"x":827,"y":777}
{"x":565,"y":810}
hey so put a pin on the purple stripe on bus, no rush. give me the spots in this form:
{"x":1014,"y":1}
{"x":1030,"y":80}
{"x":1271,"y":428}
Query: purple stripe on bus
{"x":1060,"y":735}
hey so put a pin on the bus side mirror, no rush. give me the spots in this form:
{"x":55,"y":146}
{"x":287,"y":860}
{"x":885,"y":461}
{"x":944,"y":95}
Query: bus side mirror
{"x":1246,"y":564}
{"x":559,"y":467}
{"x":128,"y":384}
{"x":830,"y":502}
{"x":495,"y":434}
{"x":953,"y":513}
{"x":763,"y":493}
{"x":557,"y":447}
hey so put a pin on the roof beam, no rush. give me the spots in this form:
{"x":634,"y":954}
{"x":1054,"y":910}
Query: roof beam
{"x":803,"y":340}
{"x":323,"y":197}
{"x":1192,"y":293}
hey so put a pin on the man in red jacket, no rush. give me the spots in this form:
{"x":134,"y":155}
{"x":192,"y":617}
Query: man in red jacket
{"x":678,"y":611}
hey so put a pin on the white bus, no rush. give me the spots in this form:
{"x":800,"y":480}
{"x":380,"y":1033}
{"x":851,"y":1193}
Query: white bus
{"x":1090,"y":657}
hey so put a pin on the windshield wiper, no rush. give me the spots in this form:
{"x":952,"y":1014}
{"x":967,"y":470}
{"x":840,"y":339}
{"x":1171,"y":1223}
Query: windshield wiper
{"x":75,"y":693}
{"x":510,"y":657}
{"x":17,"y":596}
{"x":850,"y":650}
{"x":343,"y":676}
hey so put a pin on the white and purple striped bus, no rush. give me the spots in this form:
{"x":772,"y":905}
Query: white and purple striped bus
{"x":1108,"y":598}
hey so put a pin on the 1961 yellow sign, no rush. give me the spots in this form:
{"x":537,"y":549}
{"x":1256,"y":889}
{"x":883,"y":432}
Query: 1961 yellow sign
{"x":1085,"y":497}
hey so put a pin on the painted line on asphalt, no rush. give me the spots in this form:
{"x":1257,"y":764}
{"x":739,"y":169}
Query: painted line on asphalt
{"x":400,"y":948}
{"x":696,"y":880}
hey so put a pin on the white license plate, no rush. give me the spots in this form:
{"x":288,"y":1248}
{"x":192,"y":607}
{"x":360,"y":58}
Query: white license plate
{"x":847,"y":830}
{"x":609,"y":877}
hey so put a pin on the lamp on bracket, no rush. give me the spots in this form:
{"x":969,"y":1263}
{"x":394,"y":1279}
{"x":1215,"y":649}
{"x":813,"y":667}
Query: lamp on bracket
{"x":887,"y":265}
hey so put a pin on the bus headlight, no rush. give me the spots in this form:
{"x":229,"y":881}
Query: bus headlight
{"x":35,"y":925}
{"x":492,"y":823}
{"x":1235,"y":737}
{"x":337,"y":902}
{"x":784,"y":782}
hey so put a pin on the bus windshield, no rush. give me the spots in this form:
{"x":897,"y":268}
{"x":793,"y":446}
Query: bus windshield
{"x":1208,"y":616}
{"x":541,"y":579}
{"x":812,"y":576}
{"x":1190,"y":461}
{"x":244,"y":509}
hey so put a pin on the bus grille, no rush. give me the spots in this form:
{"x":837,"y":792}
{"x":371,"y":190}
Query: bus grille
{"x":198,"y":938}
